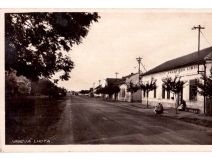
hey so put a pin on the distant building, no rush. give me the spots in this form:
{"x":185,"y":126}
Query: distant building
{"x":123,"y":89}
{"x":186,"y":67}
{"x":134,"y":78}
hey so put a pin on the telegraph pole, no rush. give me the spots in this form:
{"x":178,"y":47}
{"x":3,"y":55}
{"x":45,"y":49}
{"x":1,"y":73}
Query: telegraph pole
{"x":198,"y":71}
{"x":99,"y":82}
{"x":199,"y":29}
{"x":139,"y":62}
{"x":116,"y":74}
{"x":116,"y":84}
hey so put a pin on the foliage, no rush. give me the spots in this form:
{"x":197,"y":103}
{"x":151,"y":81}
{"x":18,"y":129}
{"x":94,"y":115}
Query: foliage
{"x":10,"y":79}
{"x":132,"y":88}
{"x":45,"y":87}
{"x":33,"y":41}
{"x":110,"y":89}
{"x":23,"y":84}
{"x":84,"y":91}
{"x":205,"y":89}
{"x":14,"y":82}
{"x":99,"y":90}
{"x":148,"y":87}
{"x":175,"y":85}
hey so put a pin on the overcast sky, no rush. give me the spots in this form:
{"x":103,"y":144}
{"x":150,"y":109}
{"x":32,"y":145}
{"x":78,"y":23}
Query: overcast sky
{"x":120,"y":36}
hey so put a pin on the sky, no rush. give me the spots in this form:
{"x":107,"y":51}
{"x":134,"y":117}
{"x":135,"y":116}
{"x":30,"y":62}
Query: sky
{"x":113,"y":44}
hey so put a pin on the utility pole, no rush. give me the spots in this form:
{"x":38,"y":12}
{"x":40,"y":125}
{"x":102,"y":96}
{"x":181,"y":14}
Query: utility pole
{"x":116,"y":74}
{"x":116,"y":84}
{"x":198,"y":71}
{"x":99,"y":82}
{"x":93,"y":85}
{"x":199,"y":29}
{"x":139,"y":70}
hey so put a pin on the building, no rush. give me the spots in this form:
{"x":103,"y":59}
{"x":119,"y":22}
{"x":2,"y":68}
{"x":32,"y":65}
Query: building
{"x":123,"y":94}
{"x":134,"y":78}
{"x":186,"y":67}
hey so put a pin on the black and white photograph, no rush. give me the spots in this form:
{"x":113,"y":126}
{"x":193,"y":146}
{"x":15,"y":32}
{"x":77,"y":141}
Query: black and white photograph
{"x":108,"y":77}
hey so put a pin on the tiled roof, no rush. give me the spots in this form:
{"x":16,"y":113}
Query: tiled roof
{"x":182,"y":61}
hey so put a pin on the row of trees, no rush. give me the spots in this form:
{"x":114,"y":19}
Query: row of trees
{"x":46,"y":87}
{"x":146,"y":87}
{"x":109,"y":89}
{"x":20,"y":85}
{"x":173,"y":85}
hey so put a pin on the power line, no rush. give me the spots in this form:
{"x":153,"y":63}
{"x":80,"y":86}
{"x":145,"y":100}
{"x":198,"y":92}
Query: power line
{"x":143,"y":66}
{"x":205,"y":38}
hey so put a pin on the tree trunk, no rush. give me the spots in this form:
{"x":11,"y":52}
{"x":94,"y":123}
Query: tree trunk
{"x":131,"y":97}
{"x":176,"y":102}
{"x":147,"y":99}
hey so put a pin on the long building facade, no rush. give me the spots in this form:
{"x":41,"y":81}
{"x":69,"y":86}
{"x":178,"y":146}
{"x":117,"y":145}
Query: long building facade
{"x":187,"y":68}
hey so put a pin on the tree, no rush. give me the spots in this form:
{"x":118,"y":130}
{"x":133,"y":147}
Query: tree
{"x":84,"y":92}
{"x":10,"y":82}
{"x":132,"y":89}
{"x":33,"y":41}
{"x":175,"y":85}
{"x":111,"y":89}
{"x":204,"y":85}
{"x":99,"y":90}
{"x":148,"y":87}
{"x":24,"y":85}
{"x":16,"y":84}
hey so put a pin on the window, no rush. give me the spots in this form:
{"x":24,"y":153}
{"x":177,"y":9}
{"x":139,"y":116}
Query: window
{"x":192,"y":90}
{"x":163,"y":93}
{"x":155,"y":93}
{"x":168,"y":94}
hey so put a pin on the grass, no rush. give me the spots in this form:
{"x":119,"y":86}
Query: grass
{"x":30,"y":117}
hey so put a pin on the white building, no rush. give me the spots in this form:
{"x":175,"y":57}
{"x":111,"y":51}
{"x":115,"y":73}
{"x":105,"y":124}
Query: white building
{"x":134,"y":78}
{"x":186,"y":67}
{"x":123,"y":95}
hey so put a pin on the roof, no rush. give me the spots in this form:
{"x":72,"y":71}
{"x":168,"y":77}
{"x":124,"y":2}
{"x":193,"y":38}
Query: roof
{"x":121,"y":81}
{"x":99,"y":86}
{"x":112,"y":80}
{"x":182,"y":61}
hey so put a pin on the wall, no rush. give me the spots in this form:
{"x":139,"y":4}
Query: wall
{"x":186,"y":73}
{"x":137,"y":95}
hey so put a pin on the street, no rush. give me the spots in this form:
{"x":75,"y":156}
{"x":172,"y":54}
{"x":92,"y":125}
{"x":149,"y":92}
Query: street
{"x":93,"y":121}
{"x":84,"y":120}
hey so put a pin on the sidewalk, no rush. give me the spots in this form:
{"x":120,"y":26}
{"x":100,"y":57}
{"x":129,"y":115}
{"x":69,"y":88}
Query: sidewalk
{"x":199,"y":119}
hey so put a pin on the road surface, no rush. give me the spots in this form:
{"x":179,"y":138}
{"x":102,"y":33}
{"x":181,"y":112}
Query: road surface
{"x":93,"y":121}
